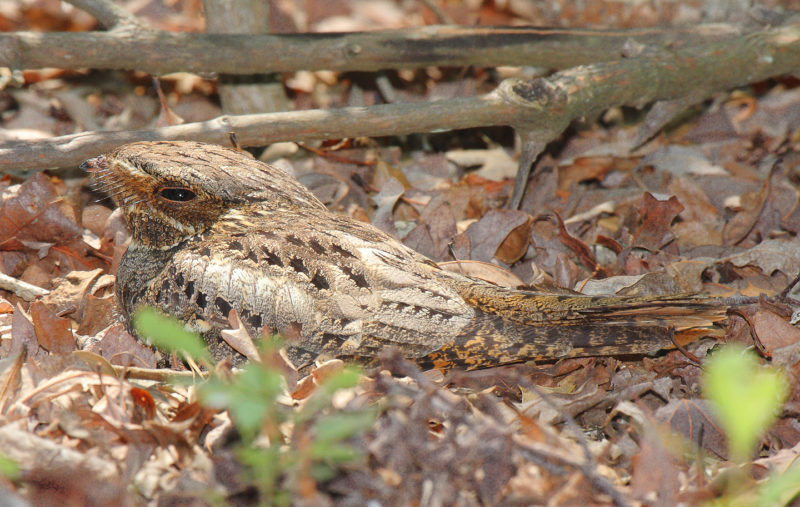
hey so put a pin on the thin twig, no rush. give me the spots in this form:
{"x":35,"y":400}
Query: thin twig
{"x":788,"y":289}
{"x":25,"y":290}
{"x":691,"y":357}
{"x":598,"y":481}
{"x":335,"y":158}
{"x":158,"y":375}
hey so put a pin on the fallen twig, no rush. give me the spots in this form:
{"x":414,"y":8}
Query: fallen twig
{"x":25,"y":290}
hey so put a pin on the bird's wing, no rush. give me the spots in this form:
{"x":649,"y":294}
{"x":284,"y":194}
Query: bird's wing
{"x":337,"y":286}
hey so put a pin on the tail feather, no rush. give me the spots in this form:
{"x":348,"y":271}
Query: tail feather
{"x":527,"y":307}
{"x":513,"y":326}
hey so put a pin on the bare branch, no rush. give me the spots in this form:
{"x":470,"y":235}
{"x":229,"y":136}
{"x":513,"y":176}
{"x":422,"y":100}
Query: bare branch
{"x":542,"y":106}
{"x":159,"y":52}
{"x":532,"y":146}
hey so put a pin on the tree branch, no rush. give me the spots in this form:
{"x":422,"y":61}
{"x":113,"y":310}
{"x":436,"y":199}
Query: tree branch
{"x":542,"y":107}
{"x":160,"y":52}
{"x":109,"y":15}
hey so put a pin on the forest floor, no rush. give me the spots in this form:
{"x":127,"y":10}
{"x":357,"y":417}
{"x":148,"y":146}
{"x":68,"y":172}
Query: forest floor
{"x":708,"y":206}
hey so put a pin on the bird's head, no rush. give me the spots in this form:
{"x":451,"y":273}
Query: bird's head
{"x":172,"y":190}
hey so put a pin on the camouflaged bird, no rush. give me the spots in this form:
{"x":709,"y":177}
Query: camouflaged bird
{"x":214,"y":230}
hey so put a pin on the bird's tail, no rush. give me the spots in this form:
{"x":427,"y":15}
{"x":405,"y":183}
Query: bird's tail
{"x":513,"y":326}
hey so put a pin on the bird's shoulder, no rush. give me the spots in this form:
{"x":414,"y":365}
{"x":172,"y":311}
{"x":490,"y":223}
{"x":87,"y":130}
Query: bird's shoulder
{"x":323,"y":262}
{"x":323,"y":249}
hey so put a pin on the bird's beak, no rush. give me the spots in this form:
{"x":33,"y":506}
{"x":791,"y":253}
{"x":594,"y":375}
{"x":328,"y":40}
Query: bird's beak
{"x":95,"y":164}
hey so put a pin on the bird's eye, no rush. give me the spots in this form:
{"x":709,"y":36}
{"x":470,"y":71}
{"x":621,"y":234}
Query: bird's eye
{"x":176,"y":194}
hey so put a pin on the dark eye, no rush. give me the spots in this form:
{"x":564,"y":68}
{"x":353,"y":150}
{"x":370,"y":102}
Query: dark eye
{"x":177,"y":194}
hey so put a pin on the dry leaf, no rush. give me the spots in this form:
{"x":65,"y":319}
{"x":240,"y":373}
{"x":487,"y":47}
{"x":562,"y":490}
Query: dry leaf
{"x":773,"y":331}
{"x":694,"y":420}
{"x":120,"y":348}
{"x":656,"y":221}
{"x":488,"y":234}
{"x":98,"y":314}
{"x":53,"y":333}
{"x":71,"y":291}
{"x":386,"y":200}
{"x":34,"y":211}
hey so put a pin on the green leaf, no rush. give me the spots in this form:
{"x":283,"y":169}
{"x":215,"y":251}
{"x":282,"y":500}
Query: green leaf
{"x":338,"y":426}
{"x":346,"y":378}
{"x":9,"y":468}
{"x":250,"y":398}
{"x":167,"y":333}
{"x":334,"y":453}
{"x":746,"y":397}
{"x":781,"y":489}
{"x":322,"y":472}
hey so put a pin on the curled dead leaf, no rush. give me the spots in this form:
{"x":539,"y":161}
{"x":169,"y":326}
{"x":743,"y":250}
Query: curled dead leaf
{"x":483,"y":271}
{"x":489,"y":233}
{"x":239,"y":339}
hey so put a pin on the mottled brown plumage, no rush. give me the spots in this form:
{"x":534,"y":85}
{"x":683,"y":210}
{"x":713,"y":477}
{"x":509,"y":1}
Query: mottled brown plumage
{"x":215,"y":230}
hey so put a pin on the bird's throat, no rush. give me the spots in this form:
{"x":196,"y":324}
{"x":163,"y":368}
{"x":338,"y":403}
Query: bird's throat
{"x":140,"y":264}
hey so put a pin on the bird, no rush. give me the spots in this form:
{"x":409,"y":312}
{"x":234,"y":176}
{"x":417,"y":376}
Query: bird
{"x":214,"y":230}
